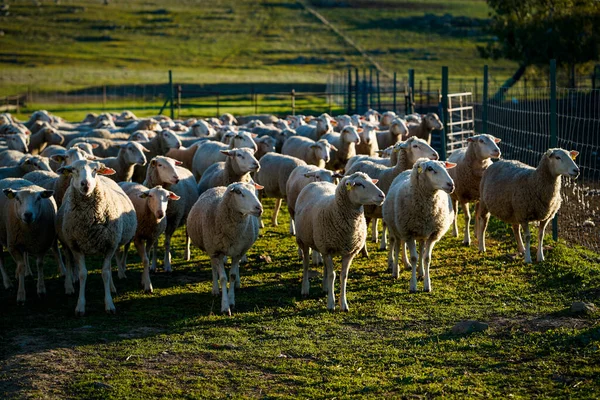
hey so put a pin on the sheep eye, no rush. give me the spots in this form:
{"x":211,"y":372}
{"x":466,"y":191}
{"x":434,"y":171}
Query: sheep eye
{"x":160,"y":165}
{"x":429,"y":169}
{"x":557,"y":157}
{"x":480,"y":140}
{"x":415,"y":146}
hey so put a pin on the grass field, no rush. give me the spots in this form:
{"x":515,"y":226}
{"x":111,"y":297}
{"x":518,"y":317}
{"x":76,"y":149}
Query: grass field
{"x":83,"y":43}
{"x":174,"y":343}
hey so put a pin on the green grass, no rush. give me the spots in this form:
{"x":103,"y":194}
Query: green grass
{"x":174,"y":343}
{"x":84,"y":43}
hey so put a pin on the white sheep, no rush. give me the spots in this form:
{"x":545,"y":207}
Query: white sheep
{"x":471,"y":162}
{"x":519,"y":194}
{"x":418,"y":208}
{"x":313,"y":153}
{"x":423,"y":130}
{"x":329,"y":219}
{"x":209,"y":152}
{"x":224,"y":223}
{"x":368,"y":140}
{"x":236,"y":168}
{"x":323,"y":126}
{"x":344,"y":144}
{"x":168,"y":173}
{"x":151,"y":209}
{"x":96,"y":217}
{"x":27,"y":214}
{"x":398,"y":130}
{"x":130,"y":155}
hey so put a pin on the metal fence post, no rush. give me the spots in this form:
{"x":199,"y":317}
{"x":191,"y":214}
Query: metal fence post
{"x":349,"y":109}
{"x":553,"y":129}
{"x":293,"y":94}
{"x":411,"y":91}
{"x":365,"y":95}
{"x":172,"y":89}
{"x":395,"y":89}
{"x":370,"y":88}
{"x":356,"y":91}
{"x":445,"y":115}
{"x":218,"y":105}
{"x":378,"y":93}
{"x":484,"y":113}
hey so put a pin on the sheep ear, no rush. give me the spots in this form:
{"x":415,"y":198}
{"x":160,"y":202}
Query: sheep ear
{"x":349,"y":186}
{"x":333,"y":148}
{"x":573,"y":154}
{"x":497,"y":140}
{"x":359,"y":130}
{"x":314,"y":146}
{"x":449,"y":165}
{"x":470,"y":140}
{"x":375,"y":181}
{"x":227,"y":153}
{"x":177,"y":162}
{"x":333,"y":122}
{"x":307,"y":119}
{"x":46,"y":194}
{"x":258,"y":187}
{"x":95,"y":145}
{"x":104,"y":170}
{"x":10,"y":193}
{"x":173,"y":196}
{"x":145,"y":150}
{"x":66,"y":170}
{"x":153,"y":162}
{"x":145,"y":194}
{"x":254,"y":135}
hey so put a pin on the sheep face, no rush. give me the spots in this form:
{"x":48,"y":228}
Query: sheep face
{"x":398,"y":127}
{"x":562,"y":162}
{"x":134,"y":153}
{"x":372,"y":116}
{"x":83,"y":175}
{"x":35,"y":163}
{"x":322,"y":175}
{"x":170,"y":139}
{"x":17,"y":142}
{"x":362,"y":190}
{"x":435,"y":175}
{"x":324,"y":124}
{"x":266,"y":144}
{"x":166,"y":168}
{"x":28,"y":202}
{"x":139,"y":136}
{"x":367,"y":133}
{"x":416,"y":148}
{"x":41,"y":115}
{"x":158,"y":200}
{"x":244,"y":198}
{"x":296,"y":121}
{"x":485,"y":146}
{"x":70,"y":156}
{"x":282,"y":124}
{"x":433,"y":121}
{"x":386,"y":153}
{"x":387,"y":118}
{"x":228,"y":119}
{"x":228,"y":137}
{"x":87,"y":148}
{"x":321,"y":150}
{"x":243,"y":160}
{"x":343,"y":121}
{"x":350,"y":134}
{"x":244,"y":140}
{"x":201,"y":128}
{"x":53,"y":137}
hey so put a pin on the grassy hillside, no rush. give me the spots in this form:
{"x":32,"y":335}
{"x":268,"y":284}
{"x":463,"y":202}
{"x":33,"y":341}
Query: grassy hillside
{"x":82,"y":43}
{"x":175,"y":344}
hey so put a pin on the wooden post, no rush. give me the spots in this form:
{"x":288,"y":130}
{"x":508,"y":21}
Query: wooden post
{"x":293,"y":94}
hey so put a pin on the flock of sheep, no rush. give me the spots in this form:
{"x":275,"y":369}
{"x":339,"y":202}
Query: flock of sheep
{"x":95,"y":187}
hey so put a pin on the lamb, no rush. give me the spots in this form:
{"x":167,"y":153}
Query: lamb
{"x":408,"y":153}
{"x":210,"y":152}
{"x":518,"y":194}
{"x":167,"y":172}
{"x":224,"y":223}
{"x":344,"y":144}
{"x":324,"y":125}
{"x":96,"y":217}
{"x":150,"y":208}
{"x":236,"y":168}
{"x":27,"y":214}
{"x":130,"y":155}
{"x":423,"y":130}
{"x":368,"y":140}
{"x":311,"y":152}
{"x":397,"y":132}
{"x":275,"y":169}
{"x":471,"y":163}
{"x":329,"y":219}
{"x":418,"y":208}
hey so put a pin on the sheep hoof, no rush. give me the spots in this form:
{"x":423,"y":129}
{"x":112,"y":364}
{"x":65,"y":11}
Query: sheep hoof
{"x":427,"y":290}
{"x":465,"y":243}
{"x":394,"y":276}
{"x":412,"y":290}
{"x":79,"y":313}
{"x":216,"y":293}
{"x":149,"y":291}
{"x":227,"y":312}
{"x":111,"y":310}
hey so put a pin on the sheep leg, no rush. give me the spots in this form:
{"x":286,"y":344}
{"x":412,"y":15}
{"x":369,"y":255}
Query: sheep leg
{"x":364,"y":251}
{"x":122,"y":260}
{"x":395,"y":245}
{"x":541,"y":232}
{"x":527,"y":233}
{"x":79,"y":259}
{"x":517,"y":232}
{"x":292,"y":227}
{"x":420,"y":271}
{"x":28,"y":271}
{"x":384,"y":230}
{"x":305,"y":263}
{"x":325,"y":284}
{"x":476,"y":219}
{"x":20,"y":272}
{"x":154,"y":262}
{"x":235,"y":269}
{"x":374,"y":229}
{"x":261,"y":224}
{"x":276,"y":211}
{"x":41,"y":286}
{"x":5,"y":277}
{"x":59,"y":260}
{"x":455,"y":222}
{"x":140,"y":246}
{"x":167,"y":260}
{"x":391,"y":255}
{"x":109,"y":306}
{"x":188,"y":243}
{"x":483,"y":223}
{"x":316,"y":257}
{"x":414,"y":257}
{"x":405,"y":261}
{"x":330,"y":281}
{"x":215,"y":276}
{"x":426,"y":253}
{"x":218,"y":265}
{"x":467,"y":213}
{"x":234,"y":276}
{"x":346,"y":261}
{"x":69,"y":289}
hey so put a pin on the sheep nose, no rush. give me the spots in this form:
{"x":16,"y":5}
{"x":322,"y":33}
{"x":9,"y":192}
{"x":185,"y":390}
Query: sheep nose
{"x":496,"y":154}
{"x":435,"y":156}
{"x":85,"y":185}
{"x":575,"y":172}
{"x":28,"y":216}
{"x":450,"y":187}
{"x":175,"y":179}
{"x":160,"y":214}
{"x":259,"y":210}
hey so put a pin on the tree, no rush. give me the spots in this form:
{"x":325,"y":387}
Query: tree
{"x":531,"y":32}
